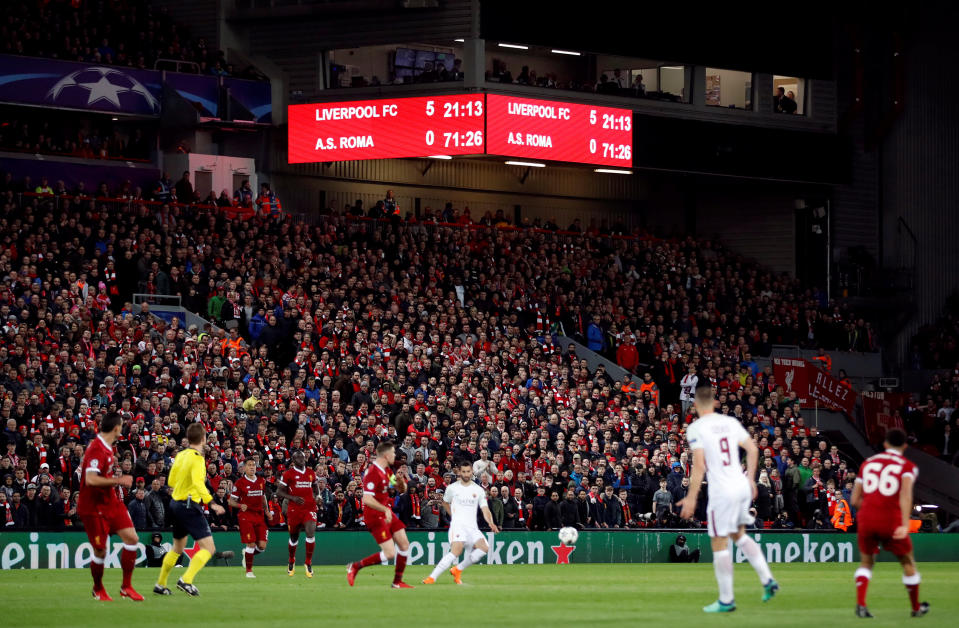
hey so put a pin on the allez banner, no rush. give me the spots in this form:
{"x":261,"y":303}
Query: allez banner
{"x":812,"y":385}
{"x":827,"y":390}
{"x":881,"y":413}
{"x":52,"y":83}
{"x":65,"y":550}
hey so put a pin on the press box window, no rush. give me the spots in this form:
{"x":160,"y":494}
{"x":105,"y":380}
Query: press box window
{"x":793,"y":89}
{"x":729,"y":88}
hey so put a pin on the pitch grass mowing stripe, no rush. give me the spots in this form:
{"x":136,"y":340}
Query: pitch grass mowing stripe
{"x":517,"y":595}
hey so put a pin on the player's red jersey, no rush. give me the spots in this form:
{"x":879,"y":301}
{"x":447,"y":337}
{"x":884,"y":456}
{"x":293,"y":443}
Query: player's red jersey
{"x":250,"y":492}
{"x":881,"y":479}
{"x":376,"y":482}
{"x":299,"y":483}
{"x":94,"y":499}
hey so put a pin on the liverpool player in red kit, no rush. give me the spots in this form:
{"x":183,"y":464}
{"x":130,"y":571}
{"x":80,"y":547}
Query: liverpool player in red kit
{"x":101,"y":511}
{"x":249,"y":495}
{"x":298,"y":485}
{"x":387,"y":529}
{"x":883,"y":495}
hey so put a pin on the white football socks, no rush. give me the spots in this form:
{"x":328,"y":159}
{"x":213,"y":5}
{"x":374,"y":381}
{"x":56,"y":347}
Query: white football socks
{"x":445,"y":563}
{"x":723,"y":566}
{"x":754,"y":554}
{"x":471,"y":558}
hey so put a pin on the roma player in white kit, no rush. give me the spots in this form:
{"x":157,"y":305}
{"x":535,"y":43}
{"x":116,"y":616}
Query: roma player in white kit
{"x":461,"y":500}
{"x":715,"y":440}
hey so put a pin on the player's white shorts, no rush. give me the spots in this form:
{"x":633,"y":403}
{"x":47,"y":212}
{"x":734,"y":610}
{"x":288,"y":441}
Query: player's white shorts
{"x":465,"y":535}
{"x":725,"y":512}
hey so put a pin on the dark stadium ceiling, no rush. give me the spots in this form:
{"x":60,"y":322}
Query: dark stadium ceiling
{"x":794,"y":39}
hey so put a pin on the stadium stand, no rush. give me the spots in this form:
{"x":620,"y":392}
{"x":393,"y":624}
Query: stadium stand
{"x":327,"y":336}
{"x":113,"y":32}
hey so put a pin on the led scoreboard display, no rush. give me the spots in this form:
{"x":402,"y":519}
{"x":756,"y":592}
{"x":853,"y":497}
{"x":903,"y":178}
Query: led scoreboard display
{"x":465,"y":124}
{"x":382,"y":129}
{"x":560,"y":131}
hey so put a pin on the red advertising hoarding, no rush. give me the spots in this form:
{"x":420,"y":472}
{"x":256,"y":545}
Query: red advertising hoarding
{"x":387,"y":128}
{"x":559,"y":131}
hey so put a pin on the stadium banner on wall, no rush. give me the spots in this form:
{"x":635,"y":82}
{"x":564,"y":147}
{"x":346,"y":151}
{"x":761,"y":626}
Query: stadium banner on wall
{"x":812,"y":385}
{"x":71,"y":85}
{"x":827,"y":390}
{"x":255,"y":96}
{"x":792,"y":374}
{"x":203,"y":92}
{"x":881,"y":413}
{"x":62,"y":550}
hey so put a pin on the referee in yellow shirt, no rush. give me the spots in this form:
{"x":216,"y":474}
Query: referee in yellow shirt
{"x":188,"y":479}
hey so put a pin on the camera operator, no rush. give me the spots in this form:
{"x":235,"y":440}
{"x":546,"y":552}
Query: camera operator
{"x":679,"y":552}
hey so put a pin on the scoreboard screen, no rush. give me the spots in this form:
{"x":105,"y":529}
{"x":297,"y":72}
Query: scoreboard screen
{"x":383,"y":129}
{"x":463,"y":124}
{"x":559,"y":131}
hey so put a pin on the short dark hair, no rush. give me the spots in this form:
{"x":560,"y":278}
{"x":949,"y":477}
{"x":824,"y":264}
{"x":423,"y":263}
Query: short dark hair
{"x":704,"y":395}
{"x":384,"y":447}
{"x":110,"y":422}
{"x":195,"y":433}
{"x":465,"y":463}
{"x":896,"y":437}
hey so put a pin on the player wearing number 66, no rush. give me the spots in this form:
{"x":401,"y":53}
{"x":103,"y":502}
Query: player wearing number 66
{"x":715,"y":440}
{"x":883,"y":495}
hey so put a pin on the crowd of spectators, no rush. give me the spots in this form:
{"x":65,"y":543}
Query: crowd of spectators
{"x":330,"y":337}
{"x":616,"y":83}
{"x":79,"y":135}
{"x":936,"y":345}
{"x":127,"y":33}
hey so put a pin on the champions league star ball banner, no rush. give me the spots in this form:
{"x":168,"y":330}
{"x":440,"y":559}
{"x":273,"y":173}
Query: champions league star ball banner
{"x":70,"y":85}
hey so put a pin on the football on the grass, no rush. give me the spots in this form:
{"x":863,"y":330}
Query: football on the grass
{"x":568,"y":536}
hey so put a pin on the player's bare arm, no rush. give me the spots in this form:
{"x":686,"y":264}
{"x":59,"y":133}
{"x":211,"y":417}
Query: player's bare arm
{"x":284,"y":494}
{"x":266,"y":506}
{"x":489,"y":518}
{"x":235,"y":504}
{"x":695,"y":483}
{"x":752,"y":460}
{"x":905,"y":506}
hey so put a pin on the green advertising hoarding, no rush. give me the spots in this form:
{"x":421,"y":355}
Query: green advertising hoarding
{"x":61,"y":550}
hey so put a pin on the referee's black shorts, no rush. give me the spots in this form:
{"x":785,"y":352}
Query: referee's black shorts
{"x":189,"y":520}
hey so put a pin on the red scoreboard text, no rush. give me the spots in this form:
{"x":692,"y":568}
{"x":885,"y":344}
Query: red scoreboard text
{"x":381,"y":129}
{"x":468,"y":124}
{"x":560,"y":131}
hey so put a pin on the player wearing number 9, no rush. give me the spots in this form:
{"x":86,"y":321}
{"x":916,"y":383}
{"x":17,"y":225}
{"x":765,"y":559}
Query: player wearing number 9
{"x":883,"y":495}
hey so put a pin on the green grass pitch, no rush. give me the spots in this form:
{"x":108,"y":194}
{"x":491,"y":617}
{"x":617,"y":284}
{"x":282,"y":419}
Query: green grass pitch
{"x":517,"y":595}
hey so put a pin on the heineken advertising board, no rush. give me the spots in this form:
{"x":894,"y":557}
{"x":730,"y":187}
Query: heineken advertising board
{"x":61,"y":550}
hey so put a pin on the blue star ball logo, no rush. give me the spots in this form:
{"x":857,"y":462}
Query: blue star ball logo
{"x":102,"y":85}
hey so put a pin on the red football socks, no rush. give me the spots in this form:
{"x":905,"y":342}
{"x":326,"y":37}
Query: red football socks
{"x":293,"y":551}
{"x":372,"y":559}
{"x":310,"y":546}
{"x":128,"y":559}
{"x":863,"y":575}
{"x":862,"y":584}
{"x":400,"y":566}
{"x":96,"y":568}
